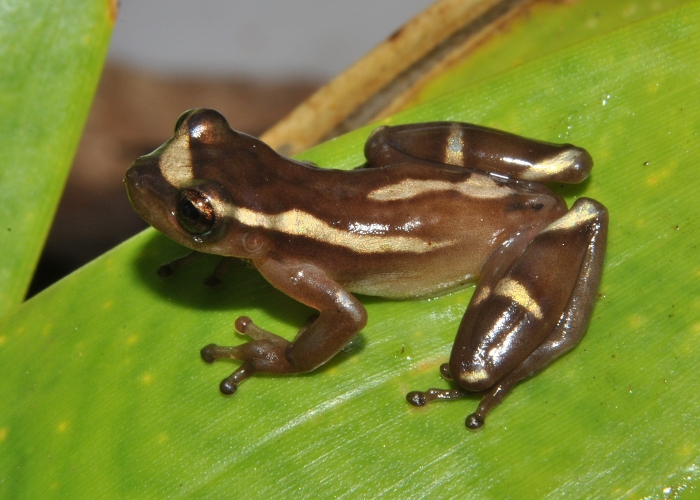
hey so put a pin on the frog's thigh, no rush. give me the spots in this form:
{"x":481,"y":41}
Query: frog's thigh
{"x":589,"y":219}
{"x":539,"y":307}
{"x":341,"y":316}
{"x":564,"y":337}
{"x":454,"y":144}
{"x":573,"y":323}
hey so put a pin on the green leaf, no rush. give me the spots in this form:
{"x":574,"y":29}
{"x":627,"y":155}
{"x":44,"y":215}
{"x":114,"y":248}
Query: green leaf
{"x":52,"y":54}
{"x":540,"y":28}
{"x":104,"y":394}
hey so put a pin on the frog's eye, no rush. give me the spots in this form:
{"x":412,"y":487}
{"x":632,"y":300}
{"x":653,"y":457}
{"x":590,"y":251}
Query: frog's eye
{"x":195,"y":212}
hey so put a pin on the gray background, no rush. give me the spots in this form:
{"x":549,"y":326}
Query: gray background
{"x":254,"y":38}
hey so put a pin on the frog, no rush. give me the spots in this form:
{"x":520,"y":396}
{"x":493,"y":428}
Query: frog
{"x":435,"y":208}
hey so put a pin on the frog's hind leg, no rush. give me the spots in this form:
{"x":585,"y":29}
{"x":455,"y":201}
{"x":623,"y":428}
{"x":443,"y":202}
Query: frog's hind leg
{"x":479,"y":362}
{"x":565,"y":336}
{"x":573,"y":321}
{"x":450,"y":145}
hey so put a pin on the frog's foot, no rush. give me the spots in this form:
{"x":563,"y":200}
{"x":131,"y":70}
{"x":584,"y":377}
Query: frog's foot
{"x":215,"y":277}
{"x":491,"y":398}
{"x":265,"y":353}
{"x":422,"y":398}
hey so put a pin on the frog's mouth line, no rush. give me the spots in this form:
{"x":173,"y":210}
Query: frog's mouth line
{"x":150,"y":195}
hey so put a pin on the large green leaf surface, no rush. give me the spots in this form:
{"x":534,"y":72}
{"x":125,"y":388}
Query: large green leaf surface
{"x":51,"y":55}
{"x":541,"y":27}
{"x":104,"y":393}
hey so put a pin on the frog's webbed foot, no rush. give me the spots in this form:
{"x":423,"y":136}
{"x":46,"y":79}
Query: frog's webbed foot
{"x":422,"y":398}
{"x":474,"y":420}
{"x":265,"y":353}
{"x":175,"y":265}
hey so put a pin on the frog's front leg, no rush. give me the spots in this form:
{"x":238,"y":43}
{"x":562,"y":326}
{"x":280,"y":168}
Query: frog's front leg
{"x":341,"y":317}
{"x":178,"y":263}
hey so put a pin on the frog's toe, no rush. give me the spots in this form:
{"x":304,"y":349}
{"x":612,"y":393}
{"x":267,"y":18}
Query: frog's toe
{"x":207,"y":353}
{"x":416,"y":398}
{"x":474,"y":421}
{"x":165,"y":270}
{"x":245,"y":326}
{"x":230,"y":384}
{"x":422,"y":398}
{"x":227,"y":387}
{"x":212,"y":352}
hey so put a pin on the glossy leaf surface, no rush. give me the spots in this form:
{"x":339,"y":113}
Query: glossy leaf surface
{"x":112,"y":398}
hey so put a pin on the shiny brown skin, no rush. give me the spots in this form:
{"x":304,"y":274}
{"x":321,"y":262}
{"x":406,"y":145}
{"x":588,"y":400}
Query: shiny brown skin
{"x":414,"y":222}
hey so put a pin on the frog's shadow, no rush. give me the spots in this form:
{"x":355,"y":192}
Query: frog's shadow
{"x":241,"y":288}
{"x":571,"y":190}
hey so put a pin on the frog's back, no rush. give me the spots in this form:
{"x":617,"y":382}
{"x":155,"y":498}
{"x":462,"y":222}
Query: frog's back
{"x":407,"y":230}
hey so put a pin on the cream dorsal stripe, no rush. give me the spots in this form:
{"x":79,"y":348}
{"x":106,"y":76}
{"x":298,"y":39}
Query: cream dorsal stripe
{"x":477,"y":186}
{"x":299,"y":223}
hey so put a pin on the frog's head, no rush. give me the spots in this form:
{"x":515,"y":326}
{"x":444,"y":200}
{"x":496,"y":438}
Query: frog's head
{"x":179,"y":190}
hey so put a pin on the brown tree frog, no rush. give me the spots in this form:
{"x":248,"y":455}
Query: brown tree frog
{"x":436,"y":207}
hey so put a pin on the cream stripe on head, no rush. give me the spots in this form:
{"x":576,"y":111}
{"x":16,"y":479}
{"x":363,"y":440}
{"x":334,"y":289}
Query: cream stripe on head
{"x":298,"y":223}
{"x":175,"y":161}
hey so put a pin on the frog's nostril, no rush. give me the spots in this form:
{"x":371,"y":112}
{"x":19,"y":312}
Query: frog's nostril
{"x":131,"y":179}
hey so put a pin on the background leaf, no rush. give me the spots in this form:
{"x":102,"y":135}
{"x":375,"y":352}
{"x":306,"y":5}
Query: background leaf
{"x":544,"y":27}
{"x":112,"y":400}
{"x":52,"y":54}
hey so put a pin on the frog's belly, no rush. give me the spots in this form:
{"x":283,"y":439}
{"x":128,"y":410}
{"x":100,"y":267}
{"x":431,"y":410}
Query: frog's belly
{"x":408,"y":285}
{"x":403,"y":275}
